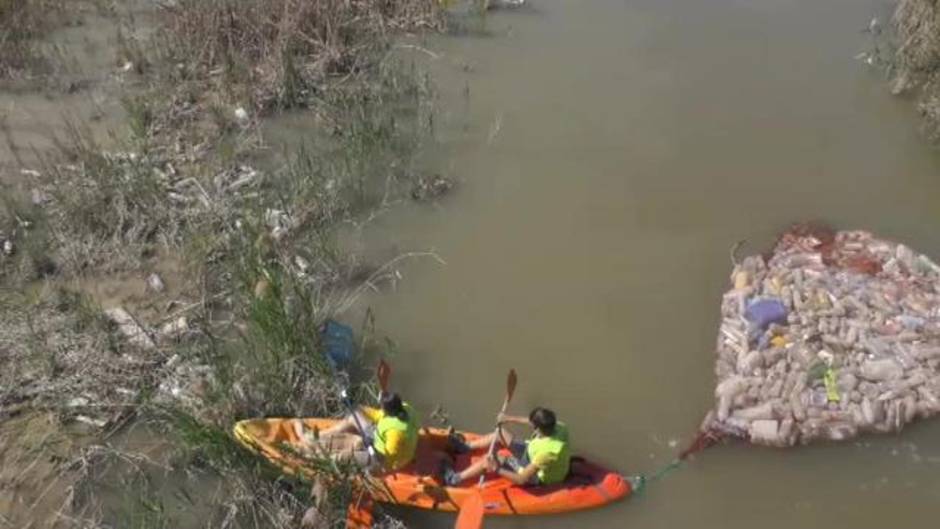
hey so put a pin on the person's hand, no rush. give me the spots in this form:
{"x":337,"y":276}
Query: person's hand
{"x":492,"y":464}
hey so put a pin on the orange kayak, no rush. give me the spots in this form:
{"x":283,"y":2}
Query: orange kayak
{"x":417,"y":485}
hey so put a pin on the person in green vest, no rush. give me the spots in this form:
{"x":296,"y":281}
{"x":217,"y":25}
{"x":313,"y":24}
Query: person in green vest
{"x":544,"y":459}
{"x":389,"y":439}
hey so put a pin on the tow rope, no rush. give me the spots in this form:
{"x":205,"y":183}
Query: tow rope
{"x":703,"y":440}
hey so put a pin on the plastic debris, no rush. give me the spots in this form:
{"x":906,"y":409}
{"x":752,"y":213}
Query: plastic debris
{"x":38,"y":197}
{"x":129,"y":327}
{"x":427,"y":188}
{"x":279,"y":222}
{"x":761,"y":313}
{"x":97,"y":423}
{"x":236,"y":178}
{"x":155,"y":283}
{"x":830,"y":336}
{"x":504,"y":4}
{"x":175,"y":328}
{"x":78,"y":402}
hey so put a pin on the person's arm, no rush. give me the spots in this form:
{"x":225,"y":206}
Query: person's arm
{"x":373,"y":414}
{"x":512,"y":419}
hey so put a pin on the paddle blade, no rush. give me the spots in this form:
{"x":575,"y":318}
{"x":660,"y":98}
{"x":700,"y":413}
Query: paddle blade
{"x":510,"y":384}
{"x":383,"y":373}
{"x":359,"y":515}
{"x":471,"y":513}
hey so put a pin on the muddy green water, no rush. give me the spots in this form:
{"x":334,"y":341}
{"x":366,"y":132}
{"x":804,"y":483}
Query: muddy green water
{"x":612,"y":153}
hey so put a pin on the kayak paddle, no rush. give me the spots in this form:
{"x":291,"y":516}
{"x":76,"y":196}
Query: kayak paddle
{"x":510,"y":389}
{"x":382,"y":373}
{"x":471,"y":513}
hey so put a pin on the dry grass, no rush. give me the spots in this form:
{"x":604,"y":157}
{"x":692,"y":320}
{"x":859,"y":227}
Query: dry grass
{"x":174,"y":183}
{"x":107,"y":210}
{"x":918,"y":28}
{"x":64,"y":357}
{"x":916,"y":31}
{"x":22,"y":23}
{"x":277,"y":53}
{"x":180,"y":185}
{"x":25,"y":52}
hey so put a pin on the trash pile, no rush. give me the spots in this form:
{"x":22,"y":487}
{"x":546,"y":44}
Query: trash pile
{"x":832,"y":335}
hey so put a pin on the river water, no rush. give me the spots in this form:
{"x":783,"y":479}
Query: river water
{"x":609,"y":154}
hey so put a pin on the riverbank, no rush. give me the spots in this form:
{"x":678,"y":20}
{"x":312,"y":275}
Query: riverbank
{"x":915,"y":65}
{"x":161,"y":269}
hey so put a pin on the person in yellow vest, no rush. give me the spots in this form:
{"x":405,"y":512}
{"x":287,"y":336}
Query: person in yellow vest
{"x":387,"y":443}
{"x":544,"y":459}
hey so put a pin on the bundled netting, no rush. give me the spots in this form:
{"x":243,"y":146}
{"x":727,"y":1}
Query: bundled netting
{"x":831,"y":335}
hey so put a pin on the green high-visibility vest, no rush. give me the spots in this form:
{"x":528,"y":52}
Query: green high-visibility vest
{"x":553,"y":454}
{"x":409,"y":429}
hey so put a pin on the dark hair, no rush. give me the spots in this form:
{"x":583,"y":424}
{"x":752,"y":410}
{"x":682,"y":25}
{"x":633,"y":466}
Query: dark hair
{"x":543,"y":419}
{"x":392,"y":405}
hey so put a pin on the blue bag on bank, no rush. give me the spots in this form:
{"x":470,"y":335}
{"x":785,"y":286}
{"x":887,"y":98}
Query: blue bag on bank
{"x":338,"y":344}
